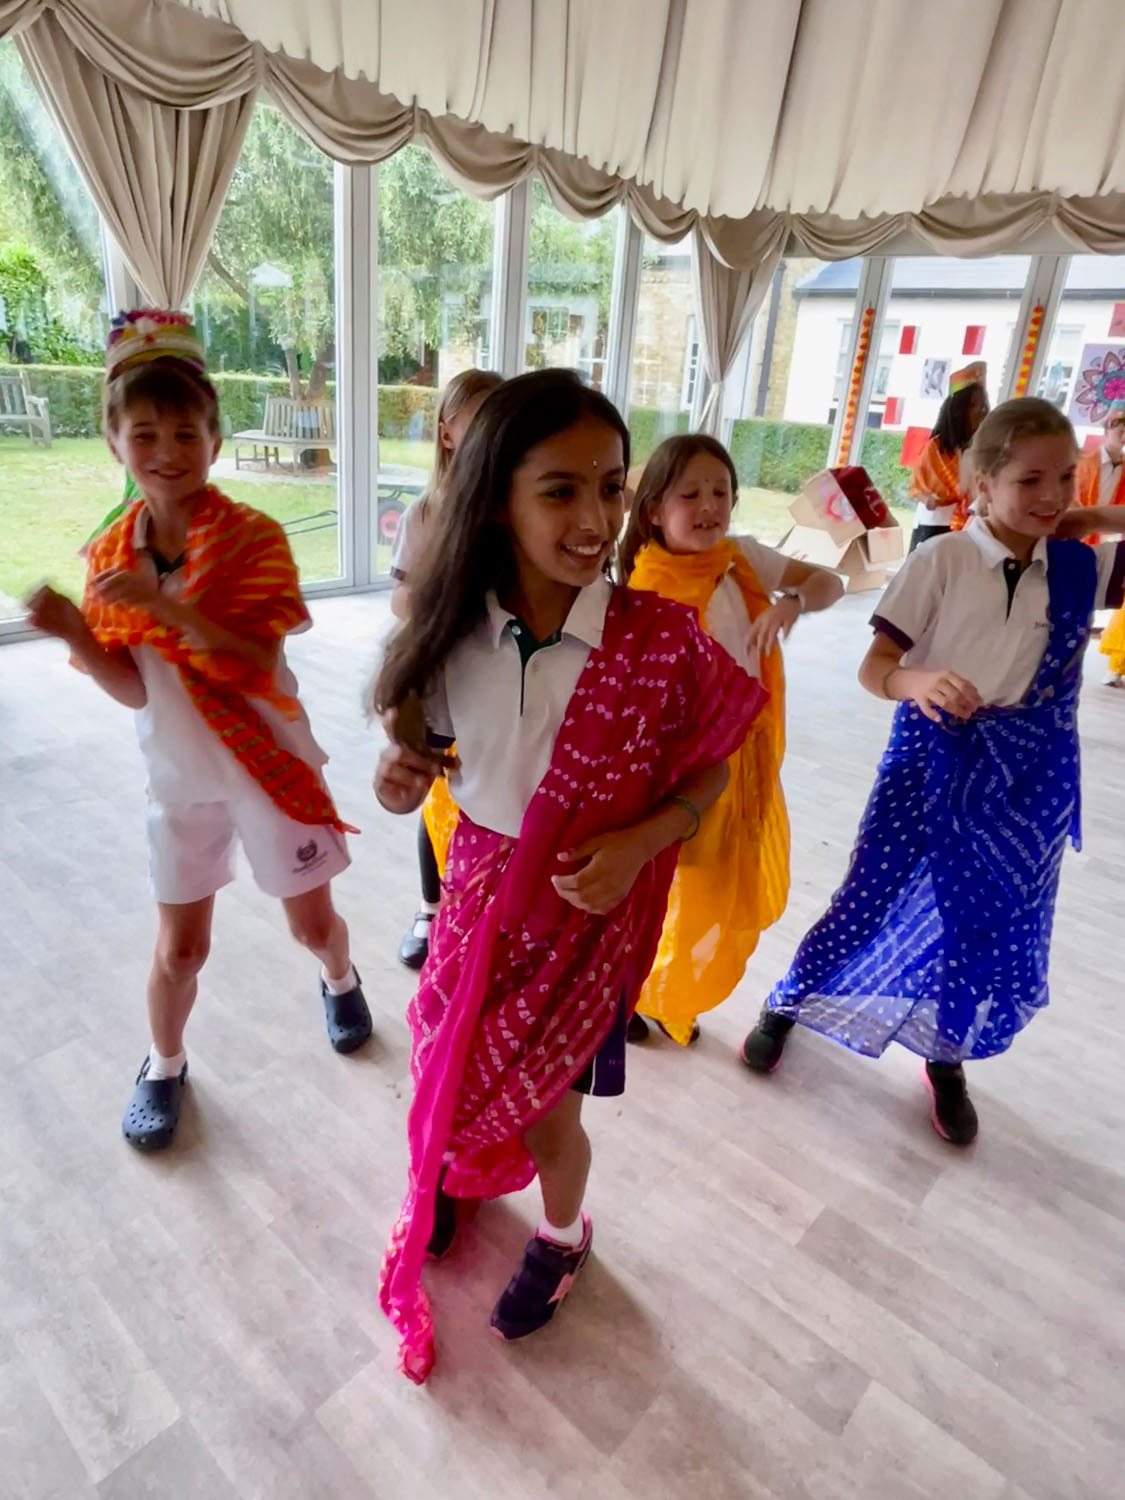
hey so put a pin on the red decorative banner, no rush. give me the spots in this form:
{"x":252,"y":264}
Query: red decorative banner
{"x":1027,"y":358}
{"x":892,"y":412}
{"x":974,"y":339}
{"x":908,"y":343}
{"x":1117,"y":322}
{"x":851,"y":404}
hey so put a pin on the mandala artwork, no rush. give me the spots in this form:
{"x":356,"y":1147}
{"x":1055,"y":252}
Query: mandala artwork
{"x":1100,"y":382}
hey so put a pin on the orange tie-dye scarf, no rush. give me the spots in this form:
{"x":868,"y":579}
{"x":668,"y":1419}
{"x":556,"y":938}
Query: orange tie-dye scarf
{"x":240,"y":574}
{"x":938,"y":473}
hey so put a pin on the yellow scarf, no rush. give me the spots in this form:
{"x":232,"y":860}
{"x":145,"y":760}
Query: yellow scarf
{"x":732,"y":880}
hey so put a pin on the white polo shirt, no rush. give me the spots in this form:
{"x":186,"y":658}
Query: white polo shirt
{"x":949,"y":608}
{"x":727,"y":620}
{"x":504,"y":708}
{"x":186,"y":761}
{"x":1109,"y":477}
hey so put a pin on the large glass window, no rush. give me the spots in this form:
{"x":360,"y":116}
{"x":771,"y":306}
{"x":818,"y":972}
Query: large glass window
{"x":941,"y":315}
{"x":665,"y":347}
{"x":435,"y":315}
{"x":794,"y":375}
{"x":266,"y":308}
{"x":570,"y":281}
{"x":1084,"y":365}
{"x":57,"y":478}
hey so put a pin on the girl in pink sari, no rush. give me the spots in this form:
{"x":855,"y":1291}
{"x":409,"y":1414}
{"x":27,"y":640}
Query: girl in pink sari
{"x":592,"y":727}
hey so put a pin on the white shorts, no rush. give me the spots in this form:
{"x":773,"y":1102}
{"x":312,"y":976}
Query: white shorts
{"x":191,"y":848}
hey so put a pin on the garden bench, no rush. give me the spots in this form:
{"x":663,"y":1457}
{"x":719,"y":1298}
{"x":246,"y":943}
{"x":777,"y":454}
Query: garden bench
{"x":19,"y":408}
{"x":299,"y":426}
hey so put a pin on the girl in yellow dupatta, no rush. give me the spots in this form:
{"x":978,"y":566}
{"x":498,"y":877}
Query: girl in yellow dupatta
{"x":732,"y":881}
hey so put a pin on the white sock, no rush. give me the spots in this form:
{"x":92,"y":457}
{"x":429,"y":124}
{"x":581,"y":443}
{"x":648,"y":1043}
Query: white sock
{"x":428,"y":908}
{"x":340,"y":986}
{"x":160,"y":1066}
{"x":570,"y":1236}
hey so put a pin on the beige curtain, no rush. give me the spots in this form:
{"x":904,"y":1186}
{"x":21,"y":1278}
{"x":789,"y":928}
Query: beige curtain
{"x":836,"y":120}
{"x":727,"y":301}
{"x":158,"y":174}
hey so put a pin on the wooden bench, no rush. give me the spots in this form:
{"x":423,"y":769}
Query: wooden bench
{"x":299,"y":426}
{"x":19,"y":408}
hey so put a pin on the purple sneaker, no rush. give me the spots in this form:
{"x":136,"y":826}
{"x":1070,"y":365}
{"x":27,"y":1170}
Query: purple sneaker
{"x":546,"y":1274}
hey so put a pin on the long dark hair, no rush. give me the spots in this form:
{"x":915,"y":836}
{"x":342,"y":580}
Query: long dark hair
{"x":954,"y":426}
{"x":665,"y":466}
{"x":469,"y":550}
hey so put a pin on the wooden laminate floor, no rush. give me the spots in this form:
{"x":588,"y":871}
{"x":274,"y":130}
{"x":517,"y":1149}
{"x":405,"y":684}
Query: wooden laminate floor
{"x":799,"y":1293}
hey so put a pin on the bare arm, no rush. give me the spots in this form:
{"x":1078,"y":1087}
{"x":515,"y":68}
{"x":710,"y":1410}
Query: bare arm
{"x":612,"y":862}
{"x":115,"y":672}
{"x":1087,"y":520}
{"x":400,"y":599}
{"x":884,"y":676}
{"x":818,"y":587}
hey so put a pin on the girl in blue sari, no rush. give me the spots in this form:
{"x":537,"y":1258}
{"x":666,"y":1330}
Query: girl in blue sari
{"x":940,"y":935}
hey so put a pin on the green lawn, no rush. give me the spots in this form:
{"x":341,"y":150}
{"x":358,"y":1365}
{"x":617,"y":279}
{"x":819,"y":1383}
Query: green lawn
{"x":51,"y":499}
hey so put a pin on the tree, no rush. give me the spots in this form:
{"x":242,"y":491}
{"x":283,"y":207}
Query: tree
{"x":50,"y":245}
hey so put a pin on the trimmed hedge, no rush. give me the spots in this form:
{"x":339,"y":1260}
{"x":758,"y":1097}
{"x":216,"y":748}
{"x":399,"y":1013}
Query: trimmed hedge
{"x":75,"y":396}
{"x":649,"y":426}
{"x":783,"y":455}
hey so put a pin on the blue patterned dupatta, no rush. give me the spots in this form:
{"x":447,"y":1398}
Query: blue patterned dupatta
{"x":940,"y":935}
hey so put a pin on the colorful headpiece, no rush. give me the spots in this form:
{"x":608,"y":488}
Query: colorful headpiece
{"x":974,"y":374}
{"x":149,"y":333}
{"x":1116,"y":409}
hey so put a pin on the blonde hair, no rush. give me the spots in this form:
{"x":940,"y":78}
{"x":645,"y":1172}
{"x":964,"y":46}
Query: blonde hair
{"x":1006,"y":425}
{"x":465,"y":387}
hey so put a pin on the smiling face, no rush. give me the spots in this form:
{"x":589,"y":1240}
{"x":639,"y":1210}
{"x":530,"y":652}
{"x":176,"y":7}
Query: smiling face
{"x":565,"y":506}
{"x":1115,"y":435}
{"x":1028,"y":495}
{"x":168,"y":453}
{"x":693,"y":514}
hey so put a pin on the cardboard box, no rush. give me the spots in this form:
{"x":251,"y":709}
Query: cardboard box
{"x":886,"y":544}
{"x":852,"y":559}
{"x":824,"y":507}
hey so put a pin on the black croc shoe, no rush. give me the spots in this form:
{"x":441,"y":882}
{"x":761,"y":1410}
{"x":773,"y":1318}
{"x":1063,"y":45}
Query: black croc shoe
{"x":951,"y":1110}
{"x":150,"y":1120}
{"x":637,"y":1029}
{"x":762,"y":1049}
{"x":414,"y":949}
{"x":347,"y":1017}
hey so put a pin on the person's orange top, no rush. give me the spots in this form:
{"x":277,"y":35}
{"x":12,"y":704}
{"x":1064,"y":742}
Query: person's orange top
{"x":1087,"y":486}
{"x":938,"y":473}
{"x":240,"y":574}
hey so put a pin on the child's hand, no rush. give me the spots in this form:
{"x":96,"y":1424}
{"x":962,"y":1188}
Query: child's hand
{"x":613,"y":862}
{"x":54,"y":614}
{"x":402,"y":778}
{"x":938,"y":692}
{"x":139,"y":586}
{"x":773,"y":625}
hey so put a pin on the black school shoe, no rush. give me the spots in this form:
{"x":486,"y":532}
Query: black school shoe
{"x":445,"y":1223}
{"x":346,"y":1016}
{"x":546,"y":1275}
{"x":951,"y":1110}
{"x":638,"y":1030}
{"x":149,"y":1122}
{"x":414,"y":949}
{"x":763,"y":1048}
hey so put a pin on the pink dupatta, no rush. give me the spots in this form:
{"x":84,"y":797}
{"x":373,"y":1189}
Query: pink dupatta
{"x":521,"y":988}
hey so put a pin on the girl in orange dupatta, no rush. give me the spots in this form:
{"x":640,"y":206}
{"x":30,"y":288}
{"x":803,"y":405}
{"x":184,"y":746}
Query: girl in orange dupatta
{"x":732,"y":880}
{"x":188,"y":600}
{"x":940,"y":481}
{"x":592,"y":727}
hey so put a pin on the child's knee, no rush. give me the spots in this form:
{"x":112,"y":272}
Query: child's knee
{"x":313,"y":928}
{"x":182,"y":955}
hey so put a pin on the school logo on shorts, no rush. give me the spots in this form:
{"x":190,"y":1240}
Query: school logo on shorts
{"x":310,"y":857}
